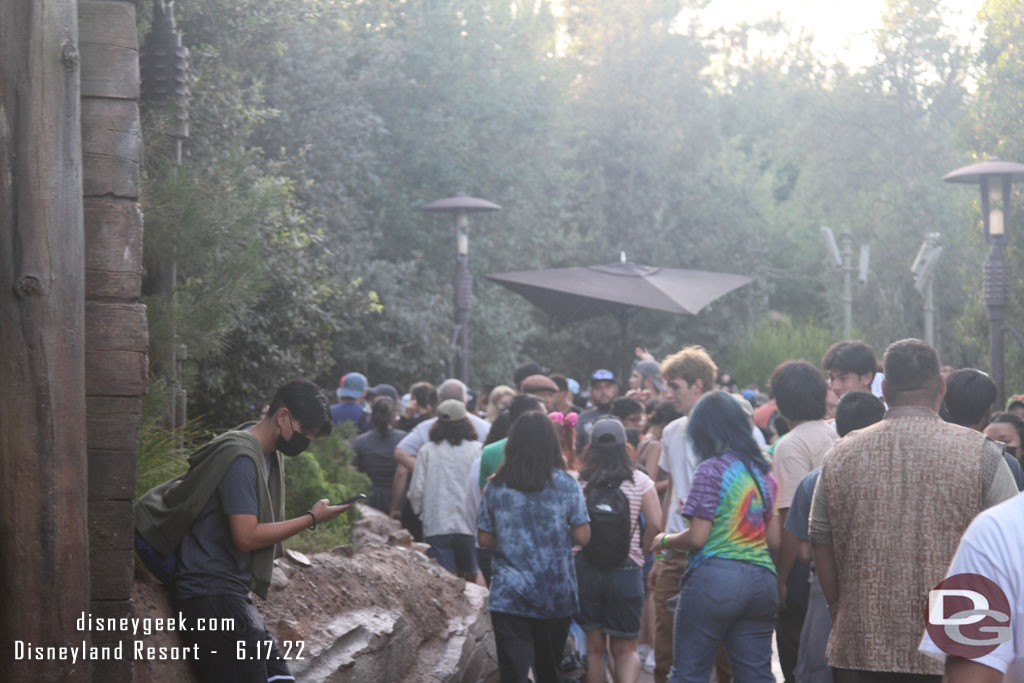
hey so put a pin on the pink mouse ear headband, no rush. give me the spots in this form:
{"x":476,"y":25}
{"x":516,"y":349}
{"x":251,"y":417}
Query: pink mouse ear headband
{"x":567,"y":420}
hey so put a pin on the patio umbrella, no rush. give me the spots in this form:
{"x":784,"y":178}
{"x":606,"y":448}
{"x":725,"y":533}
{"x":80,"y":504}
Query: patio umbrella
{"x":571,"y":294}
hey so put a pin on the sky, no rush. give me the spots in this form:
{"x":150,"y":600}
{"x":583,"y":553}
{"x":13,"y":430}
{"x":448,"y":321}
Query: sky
{"x":842,"y":28}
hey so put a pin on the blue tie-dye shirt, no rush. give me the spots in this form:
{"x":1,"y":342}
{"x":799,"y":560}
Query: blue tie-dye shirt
{"x":534,"y":575}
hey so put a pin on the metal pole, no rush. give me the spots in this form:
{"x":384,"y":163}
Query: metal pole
{"x":463,"y":294}
{"x":847,"y":253}
{"x":997,"y":296}
{"x":929,"y":312}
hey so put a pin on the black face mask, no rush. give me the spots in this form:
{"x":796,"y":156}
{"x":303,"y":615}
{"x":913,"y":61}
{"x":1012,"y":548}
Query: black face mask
{"x":1012,"y":451}
{"x":295,"y":445}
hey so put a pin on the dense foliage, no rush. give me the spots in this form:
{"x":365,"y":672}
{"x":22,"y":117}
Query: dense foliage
{"x":320,"y":129}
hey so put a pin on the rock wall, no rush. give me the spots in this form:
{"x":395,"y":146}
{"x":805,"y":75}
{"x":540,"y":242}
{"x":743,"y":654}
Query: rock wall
{"x":381,"y":611}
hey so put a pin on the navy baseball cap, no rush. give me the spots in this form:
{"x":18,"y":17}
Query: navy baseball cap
{"x":602,"y":376}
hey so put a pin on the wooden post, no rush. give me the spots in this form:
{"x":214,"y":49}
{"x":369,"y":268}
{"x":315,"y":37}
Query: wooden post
{"x":44,"y":582}
{"x":116,"y":336}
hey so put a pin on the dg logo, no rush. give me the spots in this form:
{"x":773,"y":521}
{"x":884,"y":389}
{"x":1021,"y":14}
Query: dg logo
{"x":968,"y":616}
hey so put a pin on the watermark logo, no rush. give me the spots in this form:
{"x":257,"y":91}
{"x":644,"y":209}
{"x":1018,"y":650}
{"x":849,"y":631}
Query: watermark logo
{"x":968,"y":616}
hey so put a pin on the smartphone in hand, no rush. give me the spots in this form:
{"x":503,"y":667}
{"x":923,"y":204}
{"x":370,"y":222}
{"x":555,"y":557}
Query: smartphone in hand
{"x":353,"y":499}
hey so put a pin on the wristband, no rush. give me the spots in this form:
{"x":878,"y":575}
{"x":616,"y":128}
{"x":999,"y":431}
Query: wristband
{"x":659,"y":557}
{"x":310,"y":513}
{"x":664,"y":541}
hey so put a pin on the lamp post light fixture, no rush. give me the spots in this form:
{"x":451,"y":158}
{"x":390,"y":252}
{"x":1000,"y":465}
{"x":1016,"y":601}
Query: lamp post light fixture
{"x":995,"y":177}
{"x":841,"y":256}
{"x":461,"y":206}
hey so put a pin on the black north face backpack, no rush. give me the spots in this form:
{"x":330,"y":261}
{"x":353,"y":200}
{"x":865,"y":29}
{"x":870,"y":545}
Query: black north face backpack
{"x":610,"y":528}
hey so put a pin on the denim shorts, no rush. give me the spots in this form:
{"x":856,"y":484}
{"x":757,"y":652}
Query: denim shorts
{"x":454,"y":552}
{"x":611,"y":599}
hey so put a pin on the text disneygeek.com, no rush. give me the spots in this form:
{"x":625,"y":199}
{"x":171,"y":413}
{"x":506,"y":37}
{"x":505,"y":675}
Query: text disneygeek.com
{"x":134,"y":649}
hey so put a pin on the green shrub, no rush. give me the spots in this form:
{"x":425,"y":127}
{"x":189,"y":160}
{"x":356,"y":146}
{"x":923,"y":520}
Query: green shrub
{"x":773,"y":342}
{"x":323,"y":472}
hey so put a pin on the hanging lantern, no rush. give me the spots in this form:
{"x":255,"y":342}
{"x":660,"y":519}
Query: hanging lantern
{"x":163,"y":63}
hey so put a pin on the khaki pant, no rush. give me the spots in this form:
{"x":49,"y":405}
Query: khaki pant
{"x":670,"y":575}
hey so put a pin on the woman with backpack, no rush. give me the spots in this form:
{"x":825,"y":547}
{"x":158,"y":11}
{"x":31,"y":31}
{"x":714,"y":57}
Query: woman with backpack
{"x":729,"y":593}
{"x":531,"y":515}
{"x":610,"y":567}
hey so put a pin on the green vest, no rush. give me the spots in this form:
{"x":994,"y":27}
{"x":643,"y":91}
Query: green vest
{"x":165,"y":513}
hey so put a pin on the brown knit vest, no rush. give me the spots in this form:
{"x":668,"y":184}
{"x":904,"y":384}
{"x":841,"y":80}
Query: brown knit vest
{"x":900,"y":495}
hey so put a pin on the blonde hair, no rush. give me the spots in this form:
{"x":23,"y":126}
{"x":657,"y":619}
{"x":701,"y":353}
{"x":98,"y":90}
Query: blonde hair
{"x":497,"y":393}
{"x":690,"y":364}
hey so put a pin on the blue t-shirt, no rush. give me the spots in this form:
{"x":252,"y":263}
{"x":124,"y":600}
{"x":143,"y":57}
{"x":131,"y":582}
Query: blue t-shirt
{"x":534,"y":575}
{"x":800,"y":509}
{"x":209,"y":563}
{"x":347,"y":411}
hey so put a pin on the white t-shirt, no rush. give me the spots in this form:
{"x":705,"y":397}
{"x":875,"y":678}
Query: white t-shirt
{"x":799,"y":452}
{"x":993,"y":546}
{"x":420,"y":434}
{"x":678,"y":460}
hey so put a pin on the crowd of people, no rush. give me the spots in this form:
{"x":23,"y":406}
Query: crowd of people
{"x":684,"y":523}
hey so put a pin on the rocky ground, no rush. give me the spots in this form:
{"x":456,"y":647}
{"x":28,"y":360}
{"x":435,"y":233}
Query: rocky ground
{"x":376,"y":611}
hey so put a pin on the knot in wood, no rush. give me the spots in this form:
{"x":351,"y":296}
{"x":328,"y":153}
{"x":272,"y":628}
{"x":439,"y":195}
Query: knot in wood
{"x":69,"y":55}
{"x":27,"y":286}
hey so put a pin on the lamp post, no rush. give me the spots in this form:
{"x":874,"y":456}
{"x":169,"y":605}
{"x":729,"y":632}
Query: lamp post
{"x":995,"y":177}
{"x":461,"y":206}
{"x":923,"y":269}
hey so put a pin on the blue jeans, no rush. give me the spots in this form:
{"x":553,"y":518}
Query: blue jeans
{"x":731,"y":602}
{"x":454,"y":552}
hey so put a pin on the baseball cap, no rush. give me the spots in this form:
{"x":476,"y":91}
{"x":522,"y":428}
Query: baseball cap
{"x":574,"y":386}
{"x":1016,"y":398}
{"x":608,"y":431}
{"x":651,"y":369}
{"x":352,"y":385}
{"x":451,"y":410}
{"x":384,"y":390}
{"x":602,"y":375}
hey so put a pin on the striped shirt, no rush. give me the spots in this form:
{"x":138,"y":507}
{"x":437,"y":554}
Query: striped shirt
{"x":635,"y":491}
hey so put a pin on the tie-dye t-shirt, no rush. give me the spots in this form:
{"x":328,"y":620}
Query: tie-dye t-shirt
{"x":534,"y":575}
{"x":724,"y":492}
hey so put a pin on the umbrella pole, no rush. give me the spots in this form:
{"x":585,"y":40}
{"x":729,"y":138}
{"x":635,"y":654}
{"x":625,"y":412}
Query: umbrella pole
{"x":624,"y":351}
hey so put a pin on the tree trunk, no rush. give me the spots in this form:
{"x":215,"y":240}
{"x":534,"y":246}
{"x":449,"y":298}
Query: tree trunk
{"x":44,"y":582}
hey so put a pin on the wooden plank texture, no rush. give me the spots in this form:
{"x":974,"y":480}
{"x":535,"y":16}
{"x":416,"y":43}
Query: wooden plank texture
{"x":115,"y":373}
{"x":44,"y":561}
{"x":113,"y":249}
{"x":112,"y":574}
{"x":110,"y":49}
{"x":112,"y":431}
{"x":111,"y":148}
{"x":111,"y":525}
{"x":112,"y":473}
{"x":115,"y":326}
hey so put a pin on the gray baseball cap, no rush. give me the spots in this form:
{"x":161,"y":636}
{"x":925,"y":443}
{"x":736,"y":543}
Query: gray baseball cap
{"x":608,"y":431}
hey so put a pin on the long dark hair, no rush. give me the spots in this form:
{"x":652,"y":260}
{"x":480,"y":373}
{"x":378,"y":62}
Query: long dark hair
{"x":531,"y":454}
{"x":382,"y":416}
{"x":717,"y":425}
{"x":606,"y":465}
{"x":453,"y":432}
{"x":499,"y":428}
